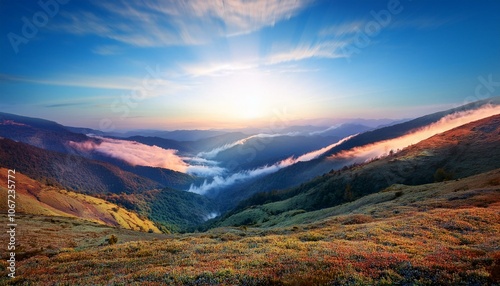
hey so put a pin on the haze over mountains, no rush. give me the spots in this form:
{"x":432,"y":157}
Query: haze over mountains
{"x":225,"y":167}
{"x":250,"y":142}
{"x":453,"y":154}
{"x":301,"y":176}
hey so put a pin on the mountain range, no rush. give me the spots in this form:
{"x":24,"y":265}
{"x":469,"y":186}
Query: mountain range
{"x":266,"y":196}
{"x":451,"y":155}
{"x":233,"y":170}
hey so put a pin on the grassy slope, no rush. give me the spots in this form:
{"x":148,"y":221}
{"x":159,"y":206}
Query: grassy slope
{"x":101,"y":179}
{"x":173,"y":209}
{"x":444,"y":233}
{"x":42,"y":236}
{"x":396,"y":199}
{"x":464,"y":151}
{"x":32,"y":197}
{"x":301,"y":172}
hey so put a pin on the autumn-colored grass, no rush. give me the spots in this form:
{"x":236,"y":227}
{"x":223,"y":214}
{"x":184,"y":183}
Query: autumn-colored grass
{"x":438,"y":235}
{"x":33,"y":197}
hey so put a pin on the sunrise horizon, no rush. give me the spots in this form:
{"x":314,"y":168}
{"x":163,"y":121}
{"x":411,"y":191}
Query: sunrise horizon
{"x":250,"y":142}
{"x":233,"y":65}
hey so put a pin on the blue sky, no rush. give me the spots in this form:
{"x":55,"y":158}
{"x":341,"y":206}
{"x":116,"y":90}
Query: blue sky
{"x":227,"y":64}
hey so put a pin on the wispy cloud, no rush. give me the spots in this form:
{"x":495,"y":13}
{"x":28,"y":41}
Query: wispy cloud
{"x":123,"y":83}
{"x":342,"y":29}
{"x":325,"y":49}
{"x":151,"y":23}
{"x":107,"y":50}
{"x":219,"y":69}
{"x":276,"y":60}
{"x":162,"y":85}
{"x":349,"y":29}
{"x":68,"y":104}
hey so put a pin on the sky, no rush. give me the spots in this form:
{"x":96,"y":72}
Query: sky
{"x":122,"y":65}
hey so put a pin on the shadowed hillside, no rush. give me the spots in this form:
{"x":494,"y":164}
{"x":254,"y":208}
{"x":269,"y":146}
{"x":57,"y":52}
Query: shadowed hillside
{"x":461,"y":152}
{"x":173,"y":209}
{"x":257,"y":152}
{"x":303,"y":172}
{"x":70,"y":171}
{"x":41,"y":133}
{"x":177,"y":210}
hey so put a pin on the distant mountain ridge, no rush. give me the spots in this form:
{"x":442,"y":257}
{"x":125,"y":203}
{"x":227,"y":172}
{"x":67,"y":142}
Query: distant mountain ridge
{"x":302,"y":172}
{"x":41,"y":133}
{"x":51,"y":136}
{"x":70,"y":171}
{"x":465,"y":151}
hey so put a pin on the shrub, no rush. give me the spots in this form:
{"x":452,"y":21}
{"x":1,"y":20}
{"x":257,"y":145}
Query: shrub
{"x":348,"y":194}
{"x":311,"y":236}
{"x":442,"y":175}
{"x":112,"y":239}
{"x":358,"y":219}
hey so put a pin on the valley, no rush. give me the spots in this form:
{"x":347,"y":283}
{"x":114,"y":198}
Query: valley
{"x":250,"y":142}
{"x":440,"y":233}
{"x":414,"y":203}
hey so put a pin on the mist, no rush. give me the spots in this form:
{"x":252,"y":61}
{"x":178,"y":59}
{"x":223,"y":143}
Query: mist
{"x":382,"y":148}
{"x":315,"y":154}
{"x":336,"y":126}
{"x":221,"y":182}
{"x":214,"y":152}
{"x":211,"y":216}
{"x":134,"y":153}
{"x":358,"y":154}
{"x":205,"y":171}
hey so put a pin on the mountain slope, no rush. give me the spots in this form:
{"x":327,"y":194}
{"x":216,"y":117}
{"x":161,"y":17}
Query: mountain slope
{"x":461,"y":152}
{"x":70,"y":171}
{"x":41,"y":133}
{"x":190,"y":147}
{"x":33,"y":197}
{"x":439,"y":234}
{"x":177,"y":135}
{"x":52,"y":136}
{"x":344,"y":130}
{"x":302,"y":172}
{"x":257,"y":152}
{"x":164,"y":177}
{"x":174,"y":210}
{"x":398,"y":199}
{"x":397,"y":130}
{"x":161,"y":142}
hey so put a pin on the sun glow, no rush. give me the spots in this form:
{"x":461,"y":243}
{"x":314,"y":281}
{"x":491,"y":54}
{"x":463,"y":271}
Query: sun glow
{"x":243,"y":96}
{"x":251,"y":107}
